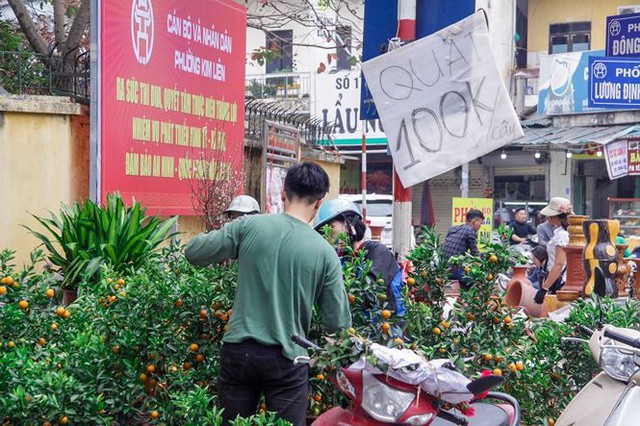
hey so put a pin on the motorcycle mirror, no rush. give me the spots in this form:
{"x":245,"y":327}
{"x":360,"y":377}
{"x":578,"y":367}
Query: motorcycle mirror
{"x":484,"y":384}
{"x":599,"y":285}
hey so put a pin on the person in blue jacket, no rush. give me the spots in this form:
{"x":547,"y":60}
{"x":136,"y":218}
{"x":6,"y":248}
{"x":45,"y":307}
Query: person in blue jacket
{"x":344,"y":216}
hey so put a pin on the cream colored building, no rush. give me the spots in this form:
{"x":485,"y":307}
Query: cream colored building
{"x":579,"y":23}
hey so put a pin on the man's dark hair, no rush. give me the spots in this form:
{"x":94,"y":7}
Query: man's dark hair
{"x":307,"y":181}
{"x":519,"y":209}
{"x":474,"y":214}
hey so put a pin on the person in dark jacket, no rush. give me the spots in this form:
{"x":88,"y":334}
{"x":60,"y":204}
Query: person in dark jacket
{"x":521,"y":228}
{"x":344,"y":216}
{"x":463,"y":239}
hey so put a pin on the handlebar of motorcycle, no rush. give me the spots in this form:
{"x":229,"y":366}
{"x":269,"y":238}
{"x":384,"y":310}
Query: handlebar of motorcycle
{"x":584,"y":329}
{"x":511,"y":401}
{"x":634,"y":343}
{"x":302,"y":341}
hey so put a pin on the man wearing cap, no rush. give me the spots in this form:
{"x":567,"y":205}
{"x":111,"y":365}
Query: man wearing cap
{"x":556,"y":212}
{"x":242,"y":205}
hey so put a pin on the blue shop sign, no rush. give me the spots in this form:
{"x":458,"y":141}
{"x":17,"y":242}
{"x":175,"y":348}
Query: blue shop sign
{"x":563,"y":83}
{"x":623,"y":35}
{"x":614,"y":82}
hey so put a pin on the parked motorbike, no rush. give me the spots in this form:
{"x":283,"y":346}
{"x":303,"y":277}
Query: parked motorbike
{"x":613,"y":396}
{"x":377,"y":399}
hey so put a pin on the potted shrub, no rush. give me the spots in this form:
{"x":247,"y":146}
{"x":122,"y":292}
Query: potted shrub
{"x":84,"y":236}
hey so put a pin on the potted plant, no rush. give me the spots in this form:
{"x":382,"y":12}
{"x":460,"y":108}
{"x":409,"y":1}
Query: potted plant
{"x":84,"y":236}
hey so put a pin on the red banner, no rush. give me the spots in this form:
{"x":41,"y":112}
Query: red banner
{"x":172,"y":98}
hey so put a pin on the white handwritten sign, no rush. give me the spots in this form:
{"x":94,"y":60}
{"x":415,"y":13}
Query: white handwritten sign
{"x":617,"y":156}
{"x":442,"y":101}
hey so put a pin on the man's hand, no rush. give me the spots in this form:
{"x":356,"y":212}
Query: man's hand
{"x":539,"y":297}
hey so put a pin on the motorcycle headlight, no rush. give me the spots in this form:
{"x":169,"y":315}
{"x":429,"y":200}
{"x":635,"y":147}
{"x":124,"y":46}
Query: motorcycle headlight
{"x":345,"y":385}
{"x":383,"y":402}
{"x":618,"y":363}
{"x":420,"y":419}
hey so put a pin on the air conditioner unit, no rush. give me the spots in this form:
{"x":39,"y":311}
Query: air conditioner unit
{"x":626,"y":10}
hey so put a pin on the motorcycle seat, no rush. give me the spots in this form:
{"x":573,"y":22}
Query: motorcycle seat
{"x":486,"y":415}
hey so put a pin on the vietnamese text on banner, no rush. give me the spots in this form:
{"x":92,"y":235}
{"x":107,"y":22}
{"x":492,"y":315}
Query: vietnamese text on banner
{"x":442,"y":101}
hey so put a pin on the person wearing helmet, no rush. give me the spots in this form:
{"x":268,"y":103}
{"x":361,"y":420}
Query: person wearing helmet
{"x":344,"y":216}
{"x":242,"y":205}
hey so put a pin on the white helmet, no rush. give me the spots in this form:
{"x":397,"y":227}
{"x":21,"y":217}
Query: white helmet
{"x":243,"y":204}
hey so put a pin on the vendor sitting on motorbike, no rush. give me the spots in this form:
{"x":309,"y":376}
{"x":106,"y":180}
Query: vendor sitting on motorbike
{"x":522,"y":230}
{"x":344,"y":216}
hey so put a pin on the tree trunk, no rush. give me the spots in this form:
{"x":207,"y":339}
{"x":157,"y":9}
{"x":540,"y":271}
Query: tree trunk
{"x":29,"y":27}
{"x":58,"y":22}
{"x":78,"y":28}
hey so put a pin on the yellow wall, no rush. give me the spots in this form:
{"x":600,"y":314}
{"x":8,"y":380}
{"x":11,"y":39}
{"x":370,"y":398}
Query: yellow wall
{"x":40,"y":164}
{"x":189,"y":227}
{"x":542,"y":13}
{"x":333,"y":170}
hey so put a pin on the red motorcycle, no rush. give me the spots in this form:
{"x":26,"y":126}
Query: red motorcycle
{"x":377,"y":399}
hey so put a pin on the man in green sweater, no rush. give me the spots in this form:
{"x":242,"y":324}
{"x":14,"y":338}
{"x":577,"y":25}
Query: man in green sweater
{"x":285,"y":267}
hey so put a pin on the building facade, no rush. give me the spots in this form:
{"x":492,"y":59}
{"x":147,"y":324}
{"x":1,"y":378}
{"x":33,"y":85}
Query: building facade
{"x":316,"y":72}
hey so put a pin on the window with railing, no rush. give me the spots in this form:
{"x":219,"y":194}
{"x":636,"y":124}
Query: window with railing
{"x":569,"y":37}
{"x":343,"y":41}
{"x":280,"y":42}
{"x":280,"y":85}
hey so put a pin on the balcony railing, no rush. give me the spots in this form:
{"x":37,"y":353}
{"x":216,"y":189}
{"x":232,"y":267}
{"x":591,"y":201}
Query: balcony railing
{"x":278,"y":86}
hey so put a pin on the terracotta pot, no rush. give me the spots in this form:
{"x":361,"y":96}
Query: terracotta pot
{"x":622,"y":274}
{"x":376,"y":232}
{"x":600,"y":252}
{"x":453,"y":289}
{"x":520,"y":294}
{"x":69,"y":296}
{"x":636,"y":286}
{"x":552,"y":303}
{"x":520,"y":273}
{"x":576,"y":233}
{"x":576,"y":275}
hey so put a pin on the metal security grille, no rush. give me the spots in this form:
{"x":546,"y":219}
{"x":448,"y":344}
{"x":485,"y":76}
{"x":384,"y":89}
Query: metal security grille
{"x":27,"y":73}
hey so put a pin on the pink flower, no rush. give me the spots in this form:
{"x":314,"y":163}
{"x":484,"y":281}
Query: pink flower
{"x":483,"y":373}
{"x":567,"y":209}
{"x":468,"y":410}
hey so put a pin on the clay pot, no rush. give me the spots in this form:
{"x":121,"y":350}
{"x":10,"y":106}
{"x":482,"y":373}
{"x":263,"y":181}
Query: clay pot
{"x":622,"y":274}
{"x":520,"y":273}
{"x":453,"y":289}
{"x":576,"y":275}
{"x":376,"y":232}
{"x":69,"y":296}
{"x":576,"y":233}
{"x":552,"y":303}
{"x":636,"y":286}
{"x":520,"y":294}
{"x":600,"y":252}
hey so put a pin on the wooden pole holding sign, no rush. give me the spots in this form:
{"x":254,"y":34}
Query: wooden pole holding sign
{"x":363,"y":173}
{"x":402,"y":195}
